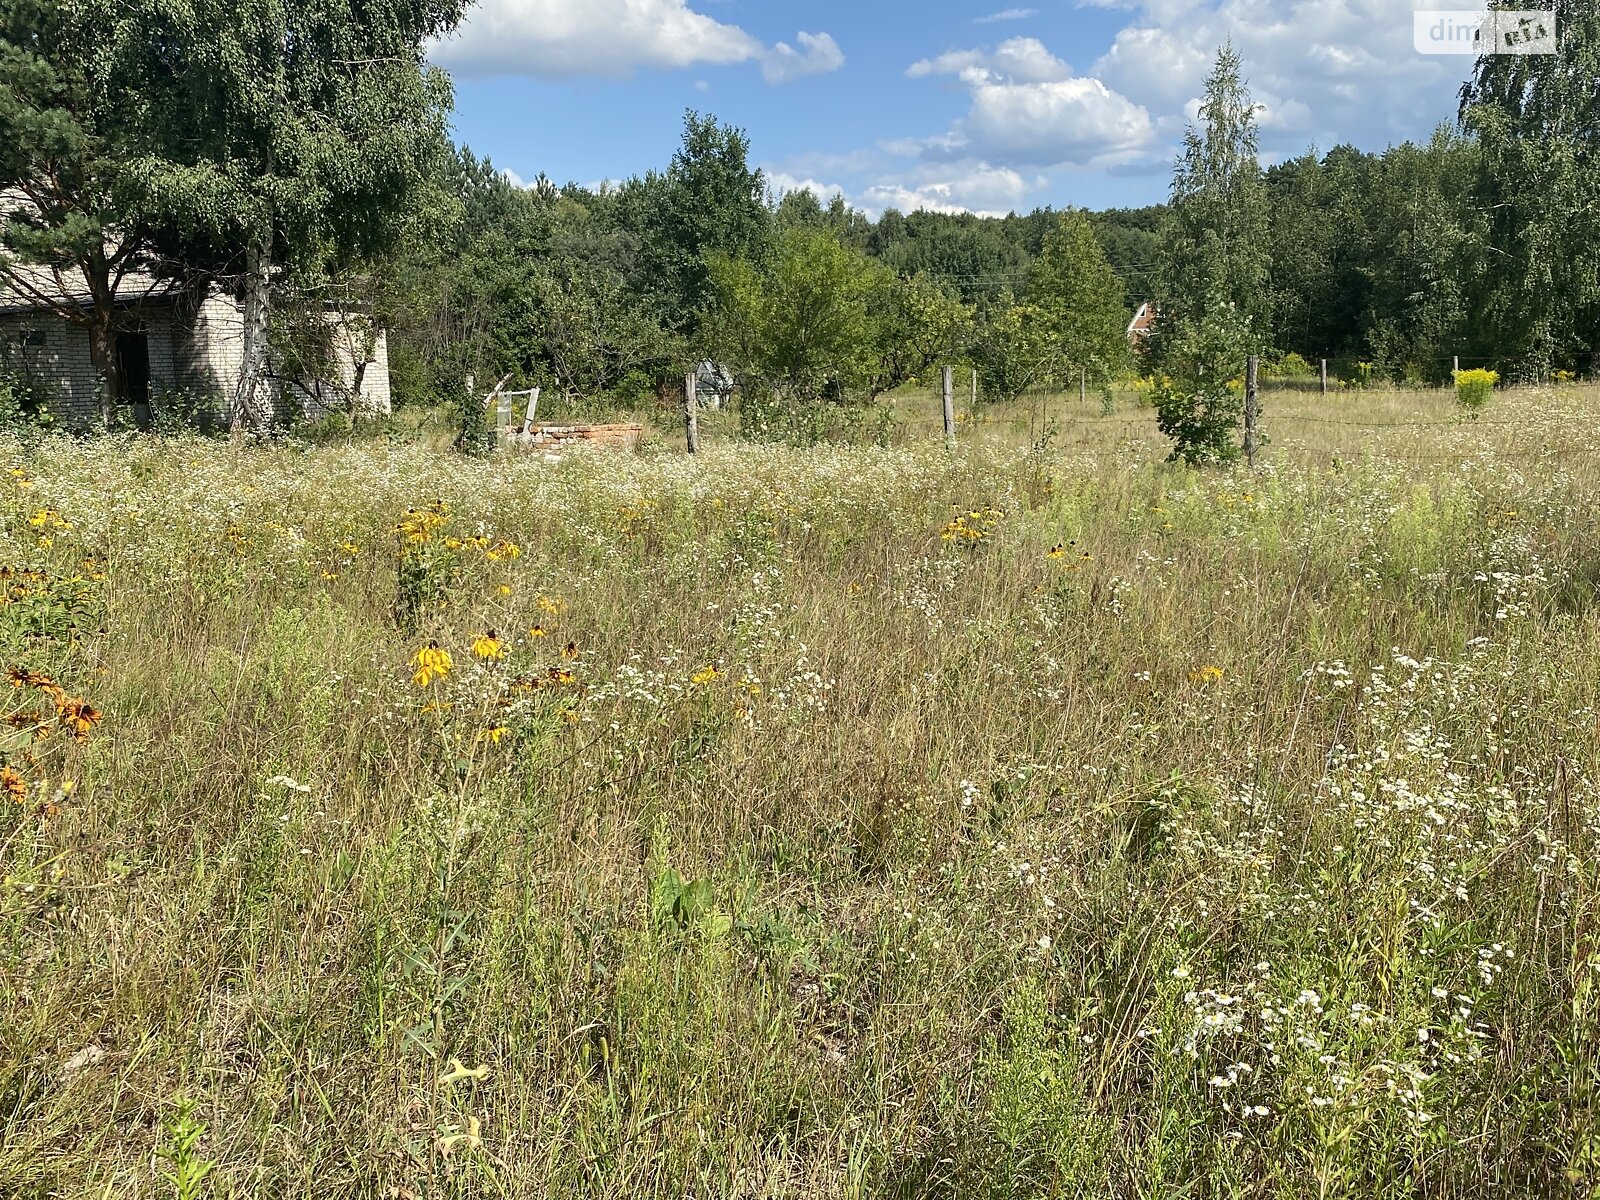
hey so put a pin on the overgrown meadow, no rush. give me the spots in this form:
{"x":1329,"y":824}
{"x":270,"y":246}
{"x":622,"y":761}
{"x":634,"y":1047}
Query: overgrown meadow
{"x":1041,"y":820}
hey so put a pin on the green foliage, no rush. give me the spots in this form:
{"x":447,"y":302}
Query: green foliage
{"x":1291,"y":366}
{"x":24,"y":405}
{"x":714,"y":204}
{"x":41,"y":606}
{"x":1537,"y":120}
{"x":1474,"y":389}
{"x":1013,"y":347}
{"x":1080,"y":301}
{"x":915,"y":323}
{"x":684,"y":904}
{"x":799,"y":328}
{"x":188,"y":1168}
{"x":1214,"y":241}
{"x":211,"y":140}
{"x":1041,"y":1122}
{"x":583,"y":317}
{"x":1213,"y":297}
{"x":818,"y":322}
{"x":965,"y":252}
{"x":1197,"y":396}
{"x":185,"y":410}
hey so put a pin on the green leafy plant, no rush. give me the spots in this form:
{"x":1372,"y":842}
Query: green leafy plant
{"x":23,"y":402}
{"x":684,"y":904}
{"x":1197,"y":405}
{"x":189,"y":1168}
{"x":1291,"y":366}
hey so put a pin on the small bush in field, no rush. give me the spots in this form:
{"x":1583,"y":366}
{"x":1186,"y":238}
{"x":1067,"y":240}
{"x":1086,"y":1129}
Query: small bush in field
{"x":1473,"y":389}
{"x":1291,"y":366}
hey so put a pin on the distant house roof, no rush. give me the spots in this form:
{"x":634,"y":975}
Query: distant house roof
{"x":29,"y":288}
{"x":1142,"y":322}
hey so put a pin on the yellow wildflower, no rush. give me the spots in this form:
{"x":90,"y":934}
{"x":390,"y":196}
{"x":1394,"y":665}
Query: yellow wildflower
{"x":1207,"y":674}
{"x":549,"y":604}
{"x":705,"y":676}
{"x":493,"y":734}
{"x":538,"y":631}
{"x":488,"y":646}
{"x":432,"y":662}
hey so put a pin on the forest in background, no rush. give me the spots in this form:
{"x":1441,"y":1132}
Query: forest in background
{"x":1387,"y":264}
{"x":328,"y":177}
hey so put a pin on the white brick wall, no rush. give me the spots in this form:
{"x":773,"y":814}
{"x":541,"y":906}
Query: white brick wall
{"x":62,"y":364}
{"x":199,"y":358}
{"x":349,"y":341}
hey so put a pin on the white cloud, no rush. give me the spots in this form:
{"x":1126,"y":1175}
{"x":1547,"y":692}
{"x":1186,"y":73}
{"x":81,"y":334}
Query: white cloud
{"x":1010,"y":14}
{"x":1326,"y":71}
{"x":820,"y":55}
{"x":1076,"y":121}
{"x":781,"y":183}
{"x":974,"y":187}
{"x":1022,"y":60}
{"x":568,"y":39}
{"x":1030,"y":110}
{"x":953,"y":187}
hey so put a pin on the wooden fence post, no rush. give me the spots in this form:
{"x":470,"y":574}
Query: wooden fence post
{"x":1455,"y":367}
{"x":691,"y":413}
{"x":974,"y":407}
{"x":1324,"y":377}
{"x":1250,"y":409}
{"x":950,"y":407}
{"x":1083,"y":385}
{"x":494,"y":404}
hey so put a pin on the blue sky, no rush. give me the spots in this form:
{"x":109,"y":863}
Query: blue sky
{"x":955,"y":105}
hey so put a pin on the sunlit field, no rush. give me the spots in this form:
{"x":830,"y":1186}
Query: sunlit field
{"x":1038,"y":820}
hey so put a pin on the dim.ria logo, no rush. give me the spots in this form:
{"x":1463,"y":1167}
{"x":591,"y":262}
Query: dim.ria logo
{"x":1476,"y":31}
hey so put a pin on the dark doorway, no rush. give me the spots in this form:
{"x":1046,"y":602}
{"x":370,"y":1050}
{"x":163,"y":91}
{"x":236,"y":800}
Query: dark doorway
{"x":133,"y":364}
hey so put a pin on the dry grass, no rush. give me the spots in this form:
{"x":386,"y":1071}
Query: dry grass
{"x":1200,"y":833}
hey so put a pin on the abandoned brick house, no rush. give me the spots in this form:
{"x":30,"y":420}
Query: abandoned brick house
{"x":178,"y":352}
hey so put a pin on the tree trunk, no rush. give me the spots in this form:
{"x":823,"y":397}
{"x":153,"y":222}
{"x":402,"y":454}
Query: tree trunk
{"x":103,"y":323}
{"x":257,"y":277}
{"x":108,"y":371}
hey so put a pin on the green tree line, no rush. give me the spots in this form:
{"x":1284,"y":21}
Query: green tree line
{"x":295,"y":152}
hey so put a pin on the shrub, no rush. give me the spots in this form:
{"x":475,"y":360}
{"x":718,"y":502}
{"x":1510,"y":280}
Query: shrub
{"x":1291,"y":366}
{"x":1473,"y":389}
{"x":1195,"y":405}
{"x":24,"y":403}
